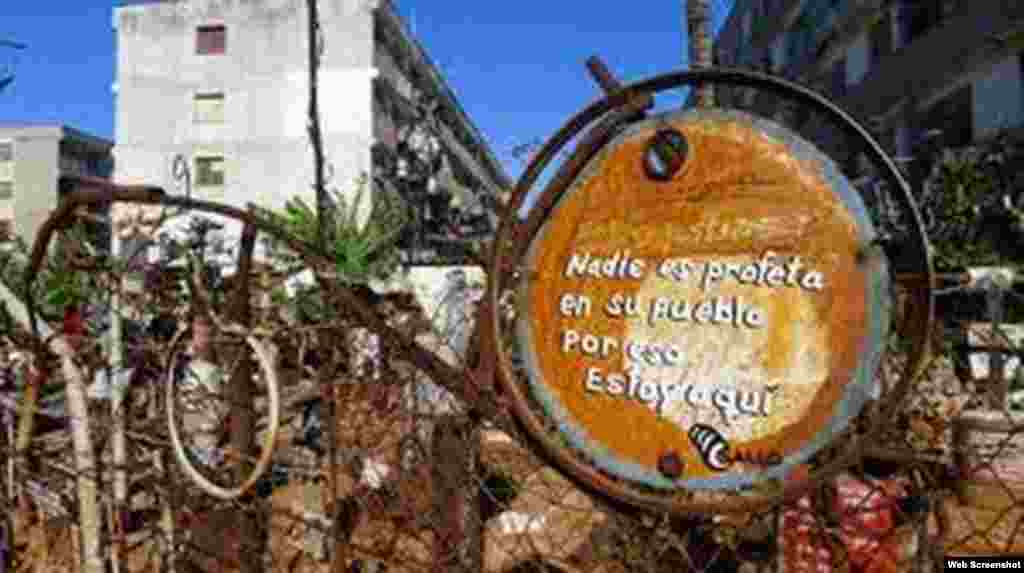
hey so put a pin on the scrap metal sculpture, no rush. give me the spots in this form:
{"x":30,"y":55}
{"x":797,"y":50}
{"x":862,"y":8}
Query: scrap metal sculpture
{"x":495,"y":385}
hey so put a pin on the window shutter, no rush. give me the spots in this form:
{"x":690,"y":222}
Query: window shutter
{"x":209,"y":171}
{"x":211,"y":40}
{"x":209,"y":108}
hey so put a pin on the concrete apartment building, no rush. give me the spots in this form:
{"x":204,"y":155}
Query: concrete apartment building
{"x":33,"y":159}
{"x":952,"y":69}
{"x":224,"y":84}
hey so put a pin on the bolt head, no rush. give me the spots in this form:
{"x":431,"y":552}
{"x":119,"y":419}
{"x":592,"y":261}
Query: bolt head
{"x":670,"y":465}
{"x":665,"y":154}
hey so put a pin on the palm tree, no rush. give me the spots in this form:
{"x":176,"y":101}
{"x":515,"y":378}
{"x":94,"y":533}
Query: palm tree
{"x":698,"y":18}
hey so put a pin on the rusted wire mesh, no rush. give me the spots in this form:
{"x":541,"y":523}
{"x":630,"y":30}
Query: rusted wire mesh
{"x":420,"y":485}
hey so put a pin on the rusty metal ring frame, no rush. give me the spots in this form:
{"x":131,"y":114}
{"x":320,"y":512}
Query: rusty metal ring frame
{"x":264,"y":356}
{"x":266,"y":363}
{"x":447,"y":376}
{"x":514,"y":236}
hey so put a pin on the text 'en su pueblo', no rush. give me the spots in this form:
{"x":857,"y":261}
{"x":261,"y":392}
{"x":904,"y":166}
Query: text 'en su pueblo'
{"x":768,"y":271}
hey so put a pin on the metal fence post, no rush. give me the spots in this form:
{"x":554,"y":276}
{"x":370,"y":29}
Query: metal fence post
{"x":251,"y":534}
{"x":455,"y":448}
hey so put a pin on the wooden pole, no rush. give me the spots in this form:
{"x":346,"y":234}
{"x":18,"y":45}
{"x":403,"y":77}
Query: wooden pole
{"x":84,"y":453}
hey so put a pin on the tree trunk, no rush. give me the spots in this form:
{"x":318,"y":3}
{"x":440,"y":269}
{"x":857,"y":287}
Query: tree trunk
{"x":84,"y":454}
{"x":118,"y":440}
{"x":313,"y":123}
{"x":698,"y":17}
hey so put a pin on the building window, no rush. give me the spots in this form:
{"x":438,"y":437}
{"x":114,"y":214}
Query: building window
{"x":72,"y":165}
{"x":1020,"y":71}
{"x":6,"y":190}
{"x":800,"y":41}
{"x":837,"y":79}
{"x":820,"y":15}
{"x":6,"y":161}
{"x":210,"y":171}
{"x":100,"y":165}
{"x":779,"y":54}
{"x":208,"y":108}
{"x":211,"y":40}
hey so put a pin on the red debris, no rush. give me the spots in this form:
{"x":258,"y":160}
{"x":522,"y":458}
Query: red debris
{"x":866,"y":538}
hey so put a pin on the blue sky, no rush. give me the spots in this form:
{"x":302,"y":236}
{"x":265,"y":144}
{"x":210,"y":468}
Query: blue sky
{"x":517,"y":67}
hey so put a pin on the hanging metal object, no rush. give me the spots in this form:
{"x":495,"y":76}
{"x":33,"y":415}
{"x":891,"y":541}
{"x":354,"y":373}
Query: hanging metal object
{"x":703,"y":307}
{"x":7,"y":67}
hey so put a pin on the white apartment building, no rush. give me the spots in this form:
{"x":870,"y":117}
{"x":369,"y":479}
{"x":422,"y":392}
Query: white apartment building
{"x":33,"y":158}
{"x":224,"y":84}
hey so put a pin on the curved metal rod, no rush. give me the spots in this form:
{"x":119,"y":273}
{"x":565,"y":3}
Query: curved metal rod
{"x":265,"y":358}
{"x":511,"y":243}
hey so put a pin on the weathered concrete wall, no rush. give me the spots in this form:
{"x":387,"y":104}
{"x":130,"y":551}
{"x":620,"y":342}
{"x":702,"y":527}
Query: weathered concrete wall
{"x":263,"y":75}
{"x":40,"y":155}
{"x":35,"y":181}
{"x":6,"y":179}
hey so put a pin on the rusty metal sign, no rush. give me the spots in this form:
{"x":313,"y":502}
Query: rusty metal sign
{"x":702,"y":310}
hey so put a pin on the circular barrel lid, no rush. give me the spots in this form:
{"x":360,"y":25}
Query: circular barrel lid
{"x":701,"y":309}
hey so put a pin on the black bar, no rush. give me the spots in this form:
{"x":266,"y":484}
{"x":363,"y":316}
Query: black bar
{"x":1005,"y":562}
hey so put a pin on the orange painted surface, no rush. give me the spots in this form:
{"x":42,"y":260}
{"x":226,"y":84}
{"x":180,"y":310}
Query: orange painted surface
{"x":739,"y":195}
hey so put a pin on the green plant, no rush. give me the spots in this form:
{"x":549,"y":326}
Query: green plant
{"x":360,"y":253}
{"x":60,"y":283}
{"x":1017,"y":389}
{"x":958,"y":186}
{"x":968,"y":201}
